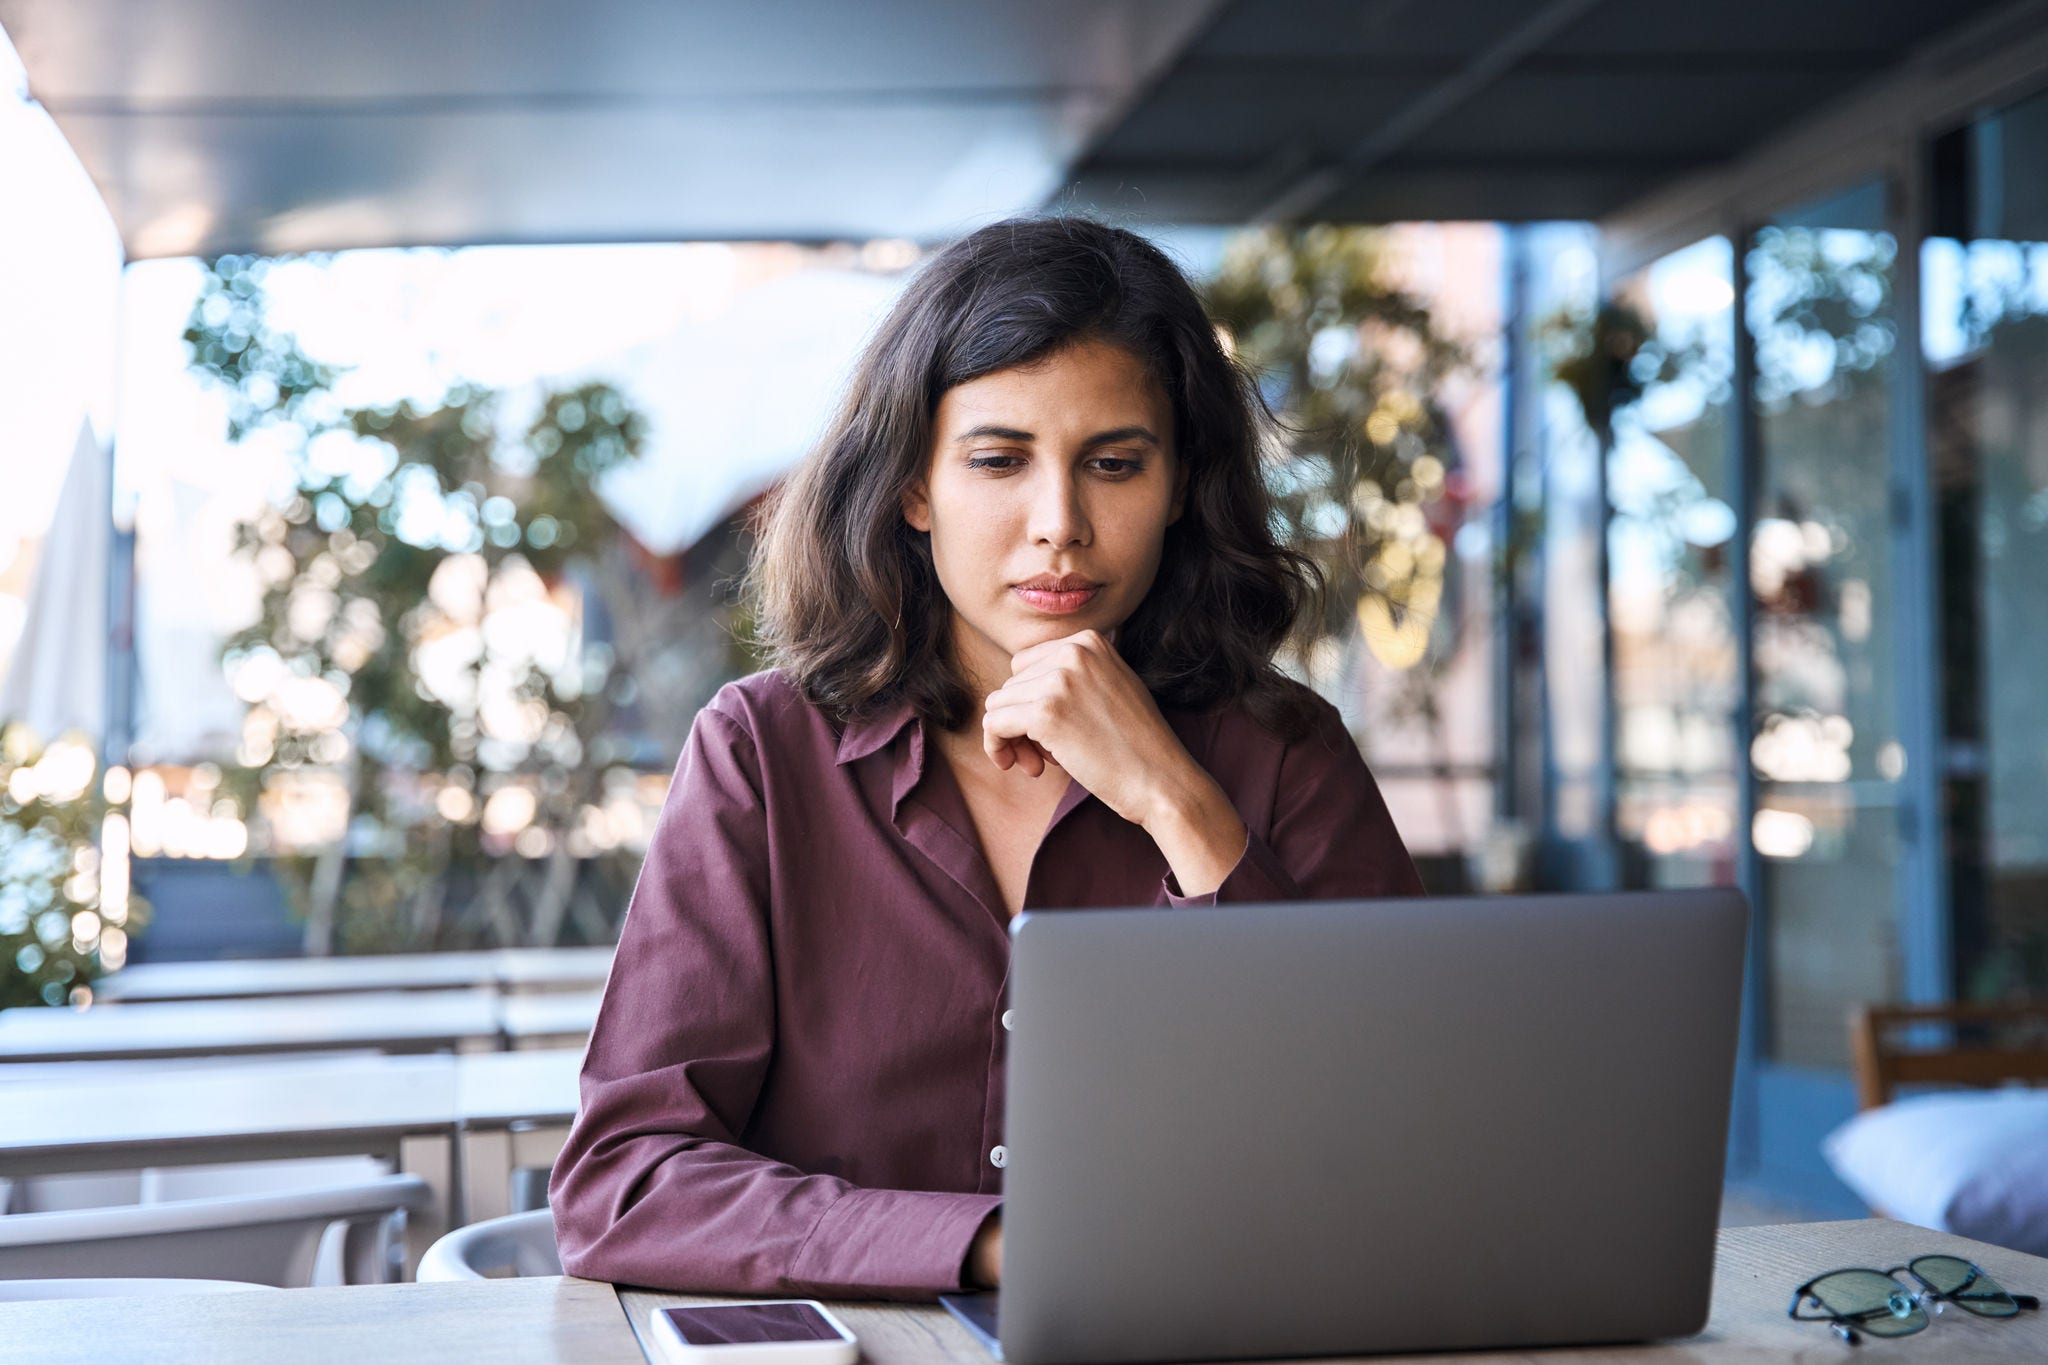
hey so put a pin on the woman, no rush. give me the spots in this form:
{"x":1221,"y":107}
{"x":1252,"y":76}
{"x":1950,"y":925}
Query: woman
{"x":1023,"y":599}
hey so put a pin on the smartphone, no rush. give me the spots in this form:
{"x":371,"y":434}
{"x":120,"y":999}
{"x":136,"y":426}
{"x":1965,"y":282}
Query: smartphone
{"x":778,"y":1332}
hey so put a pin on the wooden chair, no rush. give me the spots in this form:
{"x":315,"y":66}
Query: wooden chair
{"x":1948,"y":1044}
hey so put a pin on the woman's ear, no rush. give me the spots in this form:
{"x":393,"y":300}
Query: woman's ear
{"x":917,"y":507}
{"x":1180,"y":492}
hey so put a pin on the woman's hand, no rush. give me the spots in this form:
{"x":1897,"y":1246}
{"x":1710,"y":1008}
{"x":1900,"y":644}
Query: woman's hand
{"x":1075,"y":703}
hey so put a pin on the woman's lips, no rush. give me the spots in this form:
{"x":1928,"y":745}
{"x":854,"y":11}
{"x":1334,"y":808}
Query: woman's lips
{"x":1057,"y":603}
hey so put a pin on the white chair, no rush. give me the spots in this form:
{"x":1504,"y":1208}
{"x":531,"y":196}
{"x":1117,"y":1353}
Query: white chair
{"x":530,"y":1188}
{"x":159,"y":1184}
{"x":22,"y":1291}
{"x":277,"y":1176}
{"x":269,"y":1238}
{"x":57,"y":1193}
{"x":156,"y":1184}
{"x":516,"y":1245}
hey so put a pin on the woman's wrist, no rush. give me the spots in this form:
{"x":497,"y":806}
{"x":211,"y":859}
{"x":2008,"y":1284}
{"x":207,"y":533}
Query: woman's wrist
{"x":1198,"y":830}
{"x":985,"y":1255}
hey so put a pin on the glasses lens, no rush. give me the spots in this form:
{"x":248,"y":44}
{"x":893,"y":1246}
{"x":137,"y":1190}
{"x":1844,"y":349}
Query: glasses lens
{"x":1965,"y":1286}
{"x":1873,"y":1303}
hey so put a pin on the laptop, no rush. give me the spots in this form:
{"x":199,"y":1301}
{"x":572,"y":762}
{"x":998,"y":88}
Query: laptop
{"x":1334,"y":1128}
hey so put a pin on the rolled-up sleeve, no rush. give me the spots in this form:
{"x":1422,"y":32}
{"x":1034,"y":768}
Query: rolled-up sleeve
{"x":653,"y":1186}
{"x":1331,"y":836}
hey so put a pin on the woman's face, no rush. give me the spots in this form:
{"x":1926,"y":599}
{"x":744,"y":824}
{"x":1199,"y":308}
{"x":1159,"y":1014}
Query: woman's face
{"x":1047,"y":499}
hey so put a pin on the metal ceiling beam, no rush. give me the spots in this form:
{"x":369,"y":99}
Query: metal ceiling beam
{"x":1310,"y":192}
{"x":1284,"y":166}
{"x":1366,"y":66}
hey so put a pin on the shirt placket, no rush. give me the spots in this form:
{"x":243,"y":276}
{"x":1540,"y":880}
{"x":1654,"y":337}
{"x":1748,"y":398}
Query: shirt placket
{"x":995,"y":1156}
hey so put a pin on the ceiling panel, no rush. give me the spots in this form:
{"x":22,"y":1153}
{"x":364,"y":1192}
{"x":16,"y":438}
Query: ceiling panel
{"x":372,"y":50}
{"x":1514,"y":191}
{"x":299,"y":183}
{"x":1387,"y":30}
{"x":1223,"y":117}
{"x":1686,"y":115}
{"x":1402,"y":109}
{"x":274,"y":125}
{"x":1766,"y":30}
{"x":213,"y":125}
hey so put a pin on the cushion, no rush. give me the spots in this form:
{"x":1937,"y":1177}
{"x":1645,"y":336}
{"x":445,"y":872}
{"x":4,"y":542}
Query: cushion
{"x":1973,"y":1163}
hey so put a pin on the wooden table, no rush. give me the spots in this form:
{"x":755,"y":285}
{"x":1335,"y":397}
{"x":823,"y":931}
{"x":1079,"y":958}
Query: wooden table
{"x":462,"y":1123}
{"x":506,"y":969}
{"x":551,"y":1321}
{"x":389,"y":1021}
{"x":1754,"y":1276}
{"x":551,"y":969}
{"x":564,"y":1319}
{"x":515,"y":1109}
{"x":550,"y":1019}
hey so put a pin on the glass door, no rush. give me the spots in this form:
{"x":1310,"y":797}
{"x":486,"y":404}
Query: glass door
{"x":1984,"y":328}
{"x":1672,"y":565}
{"x":1824,"y":743}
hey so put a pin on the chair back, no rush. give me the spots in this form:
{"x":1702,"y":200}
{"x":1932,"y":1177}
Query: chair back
{"x":23,"y":1291}
{"x":1948,"y":1044}
{"x":266,"y":1239}
{"x":518,"y":1244}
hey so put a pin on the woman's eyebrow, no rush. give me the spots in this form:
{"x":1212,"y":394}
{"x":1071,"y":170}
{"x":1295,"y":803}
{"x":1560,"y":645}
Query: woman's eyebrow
{"x":1099,"y":438}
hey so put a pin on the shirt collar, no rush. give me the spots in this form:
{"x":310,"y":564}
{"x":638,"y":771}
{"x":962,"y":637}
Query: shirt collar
{"x":876,"y":732}
{"x":863,"y":738}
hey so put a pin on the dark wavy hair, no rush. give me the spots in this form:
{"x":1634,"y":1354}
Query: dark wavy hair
{"x":845,"y":599}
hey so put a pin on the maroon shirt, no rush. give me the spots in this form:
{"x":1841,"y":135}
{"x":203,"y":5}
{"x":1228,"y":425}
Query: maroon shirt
{"x":795,"y":1084}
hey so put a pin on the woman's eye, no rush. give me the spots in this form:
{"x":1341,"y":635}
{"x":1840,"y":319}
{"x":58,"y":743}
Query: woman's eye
{"x":994,"y":461}
{"x":1117,"y":464}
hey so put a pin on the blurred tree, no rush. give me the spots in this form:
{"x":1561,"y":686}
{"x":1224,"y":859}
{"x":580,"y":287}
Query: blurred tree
{"x":63,"y":917}
{"x":1368,"y":476}
{"x":1595,"y":355}
{"x":421,"y":637}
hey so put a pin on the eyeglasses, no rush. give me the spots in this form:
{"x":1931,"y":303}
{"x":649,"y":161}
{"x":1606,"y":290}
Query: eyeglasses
{"x":1879,"y":1304}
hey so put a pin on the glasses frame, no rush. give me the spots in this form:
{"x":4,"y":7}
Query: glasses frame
{"x":1844,"y":1325}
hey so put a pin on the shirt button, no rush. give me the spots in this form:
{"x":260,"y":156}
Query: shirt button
{"x":1006,"y":1018}
{"x":1000,"y":1157}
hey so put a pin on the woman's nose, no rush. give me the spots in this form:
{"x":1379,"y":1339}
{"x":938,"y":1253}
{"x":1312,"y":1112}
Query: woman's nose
{"x":1058,"y":517}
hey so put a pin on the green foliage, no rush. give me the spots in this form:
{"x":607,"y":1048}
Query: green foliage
{"x":268,"y":378}
{"x":56,"y":935}
{"x":1595,"y":355}
{"x":370,"y":571}
{"x":1824,"y":288}
{"x":1368,"y":478}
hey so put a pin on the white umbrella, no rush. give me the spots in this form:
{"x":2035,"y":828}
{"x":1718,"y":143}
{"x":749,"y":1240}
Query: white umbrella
{"x":57,"y":679}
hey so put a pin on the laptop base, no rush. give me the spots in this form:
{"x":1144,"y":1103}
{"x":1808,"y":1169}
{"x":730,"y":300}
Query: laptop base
{"x":977,"y":1312}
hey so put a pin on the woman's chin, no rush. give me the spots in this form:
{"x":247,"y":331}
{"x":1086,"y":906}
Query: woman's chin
{"x":1042,"y":629}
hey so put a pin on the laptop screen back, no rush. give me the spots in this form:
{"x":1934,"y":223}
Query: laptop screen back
{"x":1322,"y":1128}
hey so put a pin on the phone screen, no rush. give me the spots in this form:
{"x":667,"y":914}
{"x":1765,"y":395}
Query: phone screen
{"x":730,"y":1324}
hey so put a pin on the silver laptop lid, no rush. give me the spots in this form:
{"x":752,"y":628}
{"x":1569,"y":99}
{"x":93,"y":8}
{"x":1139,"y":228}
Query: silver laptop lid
{"x":1328,"y":1128}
